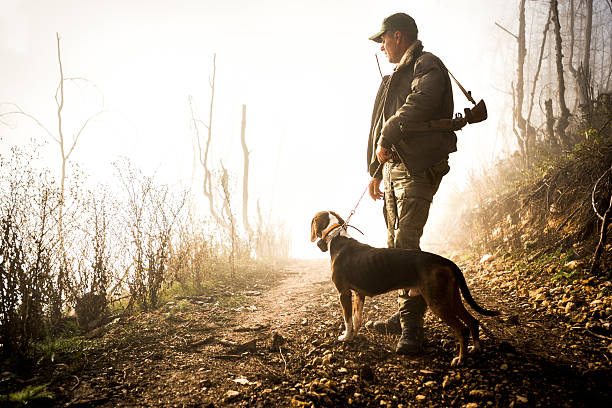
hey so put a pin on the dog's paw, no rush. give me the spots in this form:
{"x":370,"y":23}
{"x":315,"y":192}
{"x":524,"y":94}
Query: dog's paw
{"x":345,"y":336}
{"x":474,"y":349}
{"x":457,"y":361}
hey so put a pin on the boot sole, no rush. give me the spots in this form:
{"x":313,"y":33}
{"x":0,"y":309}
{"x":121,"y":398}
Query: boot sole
{"x":411,"y":350}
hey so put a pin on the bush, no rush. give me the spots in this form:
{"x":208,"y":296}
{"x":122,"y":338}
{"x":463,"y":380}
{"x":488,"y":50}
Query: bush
{"x":89,"y":249}
{"x":30,"y":297}
{"x":548,"y":204}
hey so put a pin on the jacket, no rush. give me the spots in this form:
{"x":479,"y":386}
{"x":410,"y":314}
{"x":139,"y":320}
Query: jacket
{"x":418,"y":90}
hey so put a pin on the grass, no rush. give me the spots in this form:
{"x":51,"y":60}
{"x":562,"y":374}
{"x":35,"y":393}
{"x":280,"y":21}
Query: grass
{"x":553,"y":263}
{"x":190,"y":289}
{"x":233,"y":302}
{"x":566,"y":275}
{"x":60,"y":348}
{"x":30,"y":395}
{"x":247,"y":274}
{"x":556,"y":262}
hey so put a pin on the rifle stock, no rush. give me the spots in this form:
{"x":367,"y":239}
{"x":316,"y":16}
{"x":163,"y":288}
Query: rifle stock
{"x":474,"y":115}
{"x":477,"y":114}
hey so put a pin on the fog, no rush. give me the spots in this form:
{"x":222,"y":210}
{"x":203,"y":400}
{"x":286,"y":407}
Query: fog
{"x":305,"y":70}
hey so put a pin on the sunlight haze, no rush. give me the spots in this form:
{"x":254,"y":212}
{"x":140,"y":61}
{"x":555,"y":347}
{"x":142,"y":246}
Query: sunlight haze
{"x":305,"y":70}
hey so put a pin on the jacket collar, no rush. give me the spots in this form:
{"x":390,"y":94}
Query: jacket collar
{"x":411,"y":54}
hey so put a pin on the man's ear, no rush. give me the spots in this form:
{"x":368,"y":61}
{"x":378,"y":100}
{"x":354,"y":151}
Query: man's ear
{"x":397,"y":36}
{"x":313,"y":230}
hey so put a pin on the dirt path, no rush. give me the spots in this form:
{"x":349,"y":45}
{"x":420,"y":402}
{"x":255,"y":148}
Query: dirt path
{"x":277,"y":347}
{"x":285,"y":304}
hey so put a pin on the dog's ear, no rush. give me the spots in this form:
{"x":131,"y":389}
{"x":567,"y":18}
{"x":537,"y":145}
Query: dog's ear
{"x":313,"y":229}
{"x":340,"y":220}
{"x":318,"y":224}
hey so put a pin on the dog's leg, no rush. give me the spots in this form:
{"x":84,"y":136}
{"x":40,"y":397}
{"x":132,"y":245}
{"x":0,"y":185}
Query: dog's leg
{"x":357,"y":311}
{"x":446,"y":313}
{"x":469,"y":321}
{"x":347,"y":311}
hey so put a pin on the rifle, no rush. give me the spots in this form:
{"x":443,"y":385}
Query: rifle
{"x":470,"y":115}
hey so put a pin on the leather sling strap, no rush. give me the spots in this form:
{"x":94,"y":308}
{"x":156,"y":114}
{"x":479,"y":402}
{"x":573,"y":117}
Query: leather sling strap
{"x":467,"y":94}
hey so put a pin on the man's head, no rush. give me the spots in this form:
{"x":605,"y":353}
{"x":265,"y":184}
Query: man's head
{"x":397,"y":33}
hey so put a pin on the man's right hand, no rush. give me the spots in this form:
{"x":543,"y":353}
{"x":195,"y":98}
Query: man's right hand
{"x":374,"y":189}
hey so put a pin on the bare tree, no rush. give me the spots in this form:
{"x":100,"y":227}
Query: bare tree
{"x":245,"y":174}
{"x":582,"y":74}
{"x":520,"y":121}
{"x":203,"y":150}
{"x":535,"y":79}
{"x":563,"y":120}
{"x":520,"y":127}
{"x":231,"y":221}
{"x":66,"y":147}
{"x":550,"y":123}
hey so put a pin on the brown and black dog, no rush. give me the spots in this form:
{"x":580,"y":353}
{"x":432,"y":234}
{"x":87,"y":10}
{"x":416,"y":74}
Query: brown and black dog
{"x":370,"y":271}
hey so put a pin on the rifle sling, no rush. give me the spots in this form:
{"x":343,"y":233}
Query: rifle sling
{"x":467,"y":94}
{"x":438,"y":124}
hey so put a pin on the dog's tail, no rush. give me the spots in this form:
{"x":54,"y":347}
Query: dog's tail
{"x":468,"y":296}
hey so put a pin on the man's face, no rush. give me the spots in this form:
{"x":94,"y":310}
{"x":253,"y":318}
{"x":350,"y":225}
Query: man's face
{"x":390,"y":45}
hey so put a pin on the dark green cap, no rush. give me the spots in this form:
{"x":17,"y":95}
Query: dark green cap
{"x":396,"y":22}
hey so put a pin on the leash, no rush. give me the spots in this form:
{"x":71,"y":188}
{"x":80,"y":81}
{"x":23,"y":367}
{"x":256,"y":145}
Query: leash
{"x":355,"y":209}
{"x":346,"y":223}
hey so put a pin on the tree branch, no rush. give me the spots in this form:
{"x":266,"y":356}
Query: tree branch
{"x":506,"y":30}
{"x":78,"y":135}
{"x":19,"y":111}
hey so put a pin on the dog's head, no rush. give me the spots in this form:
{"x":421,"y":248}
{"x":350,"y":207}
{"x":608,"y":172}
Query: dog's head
{"x":320,"y":225}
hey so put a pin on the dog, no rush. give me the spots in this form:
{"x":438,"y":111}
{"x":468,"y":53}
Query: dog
{"x":369,"y":271}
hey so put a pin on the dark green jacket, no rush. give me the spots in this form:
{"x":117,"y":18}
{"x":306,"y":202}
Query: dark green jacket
{"x":418,"y":90}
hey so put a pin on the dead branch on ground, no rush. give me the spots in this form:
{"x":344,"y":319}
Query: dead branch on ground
{"x":605,"y":222}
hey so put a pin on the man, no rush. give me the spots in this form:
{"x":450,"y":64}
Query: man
{"x":418,"y":90}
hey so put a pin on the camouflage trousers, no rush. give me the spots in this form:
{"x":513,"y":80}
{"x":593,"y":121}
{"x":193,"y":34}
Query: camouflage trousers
{"x":408,"y":197}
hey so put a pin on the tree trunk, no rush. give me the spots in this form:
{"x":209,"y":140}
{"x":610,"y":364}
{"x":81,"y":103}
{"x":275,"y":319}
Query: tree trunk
{"x":587,"y":37}
{"x":550,"y":122}
{"x":230,"y":220}
{"x":245,"y":177}
{"x":535,"y":79}
{"x":585,"y":74}
{"x":207,"y":186}
{"x":521,"y":124}
{"x":563,"y":120}
{"x":582,"y":74}
{"x":572,"y":14}
{"x":62,"y":273}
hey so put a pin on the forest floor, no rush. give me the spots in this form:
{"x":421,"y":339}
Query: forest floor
{"x":275,"y":345}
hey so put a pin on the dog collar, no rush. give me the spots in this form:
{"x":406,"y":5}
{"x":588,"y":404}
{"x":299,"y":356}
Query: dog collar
{"x":329,"y":229}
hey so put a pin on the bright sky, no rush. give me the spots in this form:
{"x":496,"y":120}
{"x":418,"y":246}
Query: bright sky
{"x":305,"y":70}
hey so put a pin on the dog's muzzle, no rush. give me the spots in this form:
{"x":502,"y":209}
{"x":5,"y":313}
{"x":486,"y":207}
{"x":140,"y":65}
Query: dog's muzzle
{"x":322,"y":245}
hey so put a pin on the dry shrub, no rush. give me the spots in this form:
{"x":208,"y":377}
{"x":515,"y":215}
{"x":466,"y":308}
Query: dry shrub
{"x":129,"y":244}
{"x":28,"y":269}
{"x":150,"y":216}
{"x":271,"y":238}
{"x":510,"y":206}
{"x":194,"y":257}
{"x":91,"y":310}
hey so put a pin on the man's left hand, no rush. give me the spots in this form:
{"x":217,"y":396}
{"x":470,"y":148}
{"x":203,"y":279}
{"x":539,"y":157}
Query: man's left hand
{"x":383,"y":154}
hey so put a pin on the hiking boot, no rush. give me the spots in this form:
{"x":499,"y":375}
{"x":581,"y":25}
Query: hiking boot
{"x":390,"y":326}
{"x":411,"y":340}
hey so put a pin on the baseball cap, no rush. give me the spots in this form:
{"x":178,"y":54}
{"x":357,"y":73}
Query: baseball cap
{"x":396,"y":22}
